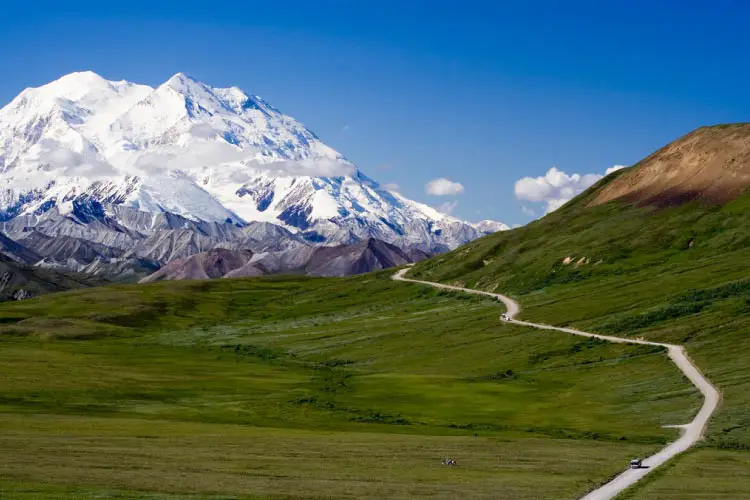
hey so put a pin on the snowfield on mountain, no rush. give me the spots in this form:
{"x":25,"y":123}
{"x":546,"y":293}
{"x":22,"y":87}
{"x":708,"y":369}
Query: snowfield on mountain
{"x":114,"y":162}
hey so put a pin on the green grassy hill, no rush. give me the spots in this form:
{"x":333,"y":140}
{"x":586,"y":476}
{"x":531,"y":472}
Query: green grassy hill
{"x":314,"y":388}
{"x":674,"y":274}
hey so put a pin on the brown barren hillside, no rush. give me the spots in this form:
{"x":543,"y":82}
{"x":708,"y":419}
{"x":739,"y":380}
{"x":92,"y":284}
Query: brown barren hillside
{"x":212,"y":264}
{"x":710,"y":164}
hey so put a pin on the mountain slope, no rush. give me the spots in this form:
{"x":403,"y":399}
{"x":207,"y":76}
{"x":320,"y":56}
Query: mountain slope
{"x":188,"y":150}
{"x":339,"y":260}
{"x":62,"y":248}
{"x":17,"y":251}
{"x":623,"y":222}
{"x":19,"y":282}
{"x":370,"y":255}
{"x":202,"y":266}
{"x":711,"y":164}
{"x":619,"y":260}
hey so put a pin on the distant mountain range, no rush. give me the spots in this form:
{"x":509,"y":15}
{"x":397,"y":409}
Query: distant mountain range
{"x":340,"y":260}
{"x":19,"y":281}
{"x":96,"y":175}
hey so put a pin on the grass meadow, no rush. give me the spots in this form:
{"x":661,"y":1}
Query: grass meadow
{"x":294,"y":387}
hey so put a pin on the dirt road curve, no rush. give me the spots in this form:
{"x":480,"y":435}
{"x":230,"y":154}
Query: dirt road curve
{"x":691,"y":432}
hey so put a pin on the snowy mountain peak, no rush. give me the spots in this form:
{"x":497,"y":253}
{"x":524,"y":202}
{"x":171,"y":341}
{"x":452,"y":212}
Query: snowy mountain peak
{"x":84,"y":87}
{"x":74,"y":85}
{"x":204,"y":153}
{"x":193,"y":89}
{"x":189,"y":87}
{"x":489,"y":226}
{"x":181,"y":78}
{"x":79,"y":78}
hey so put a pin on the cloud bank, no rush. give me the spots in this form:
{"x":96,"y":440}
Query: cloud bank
{"x":443,"y":187}
{"x":70,"y":163}
{"x":312,"y":167}
{"x":447,"y":208}
{"x":556,"y":188}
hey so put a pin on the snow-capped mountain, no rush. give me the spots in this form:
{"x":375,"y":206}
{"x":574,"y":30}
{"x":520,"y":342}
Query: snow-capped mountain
{"x":131,"y":159}
{"x":489,"y":226}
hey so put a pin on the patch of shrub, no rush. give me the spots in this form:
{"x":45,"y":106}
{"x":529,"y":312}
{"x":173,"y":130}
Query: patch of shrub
{"x":506,"y":375}
{"x":248,"y":350}
{"x":333,"y":381}
{"x":306,"y":400}
{"x":333,"y":363}
{"x":379,"y":418}
{"x":578,"y":346}
{"x":639,"y":321}
{"x":727,"y":290}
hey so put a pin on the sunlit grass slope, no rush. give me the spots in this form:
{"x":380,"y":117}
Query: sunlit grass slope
{"x":314,"y":388}
{"x":677,"y":274}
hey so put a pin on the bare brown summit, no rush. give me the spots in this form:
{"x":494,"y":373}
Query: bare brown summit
{"x":710,"y":164}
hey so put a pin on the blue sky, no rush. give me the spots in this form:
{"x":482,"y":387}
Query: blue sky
{"x":480,"y":93}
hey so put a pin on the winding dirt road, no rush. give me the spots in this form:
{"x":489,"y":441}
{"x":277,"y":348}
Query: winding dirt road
{"x":691,"y":432}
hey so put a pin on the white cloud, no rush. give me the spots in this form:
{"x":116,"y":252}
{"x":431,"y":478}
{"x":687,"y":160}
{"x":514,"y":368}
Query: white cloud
{"x":345,"y":129}
{"x":200,"y":153}
{"x":391,"y":186}
{"x":311,"y":167}
{"x":203,"y":131}
{"x":556,"y":203}
{"x":528,"y":211}
{"x":210,"y":153}
{"x":556,"y":187}
{"x":614,"y":168}
{"x":69,"y":163}
{"x":447,"y":208}
{"x":443,"y":187}
{"x":205,"y":151}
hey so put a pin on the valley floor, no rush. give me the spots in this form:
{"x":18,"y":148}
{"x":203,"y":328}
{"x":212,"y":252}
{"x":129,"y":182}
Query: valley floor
{"x":315,"y":388}
{"x":84,"y":457}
